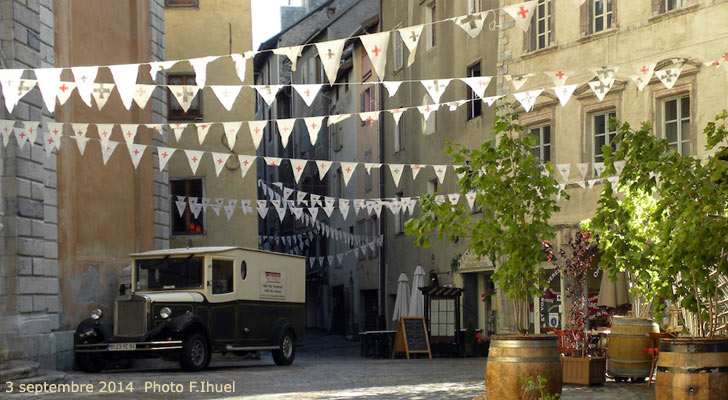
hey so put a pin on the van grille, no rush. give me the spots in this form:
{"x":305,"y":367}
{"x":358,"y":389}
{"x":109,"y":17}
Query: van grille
{"x":130,"y":318}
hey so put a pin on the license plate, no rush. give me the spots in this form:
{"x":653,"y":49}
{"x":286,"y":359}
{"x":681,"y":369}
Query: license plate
{"x":121,"y":347}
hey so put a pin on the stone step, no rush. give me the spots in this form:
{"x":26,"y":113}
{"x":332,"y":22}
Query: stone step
{"x":18,"y":369}
{"x":44,"y":376}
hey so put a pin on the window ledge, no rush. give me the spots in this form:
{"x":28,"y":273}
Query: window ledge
{"x":674,"y":13}
{"x":535,"y":53}
{"x":599,"y":35}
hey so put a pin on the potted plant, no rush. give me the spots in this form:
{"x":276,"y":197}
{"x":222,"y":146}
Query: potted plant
{"x":517,"y":195}
{"x":581,"y":366}
{"x":687,"y":253}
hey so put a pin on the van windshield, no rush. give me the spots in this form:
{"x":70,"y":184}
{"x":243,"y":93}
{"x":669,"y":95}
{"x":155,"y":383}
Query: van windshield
{"x":169,"y":273}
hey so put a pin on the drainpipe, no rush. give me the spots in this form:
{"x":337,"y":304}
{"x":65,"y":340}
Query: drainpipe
{"x":382,"y":264}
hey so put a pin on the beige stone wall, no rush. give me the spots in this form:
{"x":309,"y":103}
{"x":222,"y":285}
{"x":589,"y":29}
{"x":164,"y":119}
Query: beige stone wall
{"x":217,"y":27}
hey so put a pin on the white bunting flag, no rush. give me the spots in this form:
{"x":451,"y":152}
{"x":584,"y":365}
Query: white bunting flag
{"x":164,"y":154}
{"x":55,"y":132}
{"x":454,"y":198}
{"x":347,"y":170}
{"x":528,"y":99}
{"x":669,"y":76}
{"x":396,"y":171}
{"x":323,"y":168}
{"x":490,"y":100}
{"x":240,"y":61}
{"x":262,"y":208}
{"x":79,"y":129}
{"x":600,"y":89}
{"x":287,"y":192}
{"x":478,"y":84}
{"x":226,"y":94}
{"x":397,"y":115}
{"x":184,"y":94}
{"x":81,"y":143}
{"x":440,"y":171}
{"x":564,"y":169}
{"x":25,"y":86}
{"x":411,"y":37}
{"x":285,"y":128}
{"x":21,"y":136}
{"x":330,"y":54}
{"x":392,"y":87}
{"x":49,"y":80}
{"x":472,"y":24}
{"x":216,"y":207}
{"x":313,"y":124}
{"x":315,"y":200}
{"x":297,"y":212}
{"x":435,"y":88}
{"x":344,"y":211}
{"x":202,"y":130}
{"x":292,"y":52}
{"x":142,"y":94}
{"x":583,"y":168}
{"x":314,"y":212}
{"x":231,"y":132}
{"x":230,"y":208}
{"x":564,"y":93}
{"x":598,"y":169}
{"x":369,"y":117}
{"x":518,"y":80}
{"x":31,"y":128}
{"x":193,"y":157}
{"x":298,"y":166}
{"x":245,"y":206}
{"x":156,"y":127}
{"x":606,"y":75}
{"x":181,"y":205}
{"x":328,"y":209}
{"x":308,"y":92}
{"x":156,"y":66}
{"x":301,"y":196}
{"x":107,"y":150}
{"x":369,"y":166}
{"x":64,"y":92}
{"x":470,"y":197}
{"x":559,"y":77}
{"x":273,"y":161}
{"x":394,"y":206}
{"x":178,"y":128}
{"x":10,"y":81}
{"x":6,"y":129}
{"x":378,"y":208}
{"x":219,"y":159}
{"x":416,"y":168}
{"x":136,"y":151}
{"x":245,"y":163}
{"x":522,"y":13}
{"x":591,"y":182}
{"x":335,"y":119}
{"x":101,"y":93}
{"x":125,"y":76}
{"x":256,"y":131}
{"x":427,"y":109}
{"x":129,"y":131}
{"x":376,"y":47}
{"x":619,"y":166}
{"x":267,"y":92}
{"x":200,"y":67}
{"x":644,"y":74}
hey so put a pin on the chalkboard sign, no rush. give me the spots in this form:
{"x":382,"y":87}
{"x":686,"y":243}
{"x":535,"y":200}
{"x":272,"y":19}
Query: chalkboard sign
{"x":412,"y":337}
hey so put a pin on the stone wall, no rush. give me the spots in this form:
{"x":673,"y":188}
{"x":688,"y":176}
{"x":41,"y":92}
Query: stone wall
{"x":159,"y":115}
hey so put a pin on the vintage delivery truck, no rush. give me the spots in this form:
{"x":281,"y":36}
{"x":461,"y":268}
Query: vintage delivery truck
{"x":185,"y":304}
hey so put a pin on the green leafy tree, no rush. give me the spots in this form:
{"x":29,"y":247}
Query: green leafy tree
{"x":684,"y":235}
{"x":517,"y":195}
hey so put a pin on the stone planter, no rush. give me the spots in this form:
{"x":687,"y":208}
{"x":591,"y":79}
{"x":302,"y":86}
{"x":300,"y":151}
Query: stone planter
{"x":585,"y":371}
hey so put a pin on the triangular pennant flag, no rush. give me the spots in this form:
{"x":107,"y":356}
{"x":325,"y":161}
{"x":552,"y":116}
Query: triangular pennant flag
{"x":193,"y":157}
{"x":376,"y":46}
{"x":104,"y":131}
{"x":347,"y":169}
{"x":378,"y":209}
{"x":518,"y":80}
{"x":313,"y":211}
{"x":298,"y":166}
{"x":340,"y":257}
{"x":490,"y":100}
{"x":591,"y":182}
{"x":202,"y":130}
{"x":606,"y":75}
{"x":396,"y":171}
{"x":582,"y":184}
{"x":216,"y":208}
{"x":273,"y":161}
{"x":267,"y":92}
{"x":181,"y":206}
{"x":427,"y":109}
{"x":313,"y":124}
{"x":323,"y":168}
{"x":178,"y":128}
{"x":6,"y":129}
{"x":300,"y":196}
{"x":200,"y":67}
{"x":245,"y":163}
{"x":231,"y":132}
{"x":564,"y":93}
{"x":416,"y":168}
{"x":470,"y":197}
{"x":344,"y":209}
{"x":107,"y":150}
{"x":64,"y":92}
{"x":369,"y":116}
{"x":240,"y":61}
{"x":281,"y":215}
{"x":435,"y":88}
{"x":142,"y":93}
{"x":439,"y":199}
{"x":136,"y":151}
{"x":440,"y":171}
{"x":599,"y":168}
{"x":129,"y":131}
{"x":205,"y":203}
{"x":619,"y":166}
{"x":331,"y":260}
{"x":156,"y":66}
{"x":31,"y":128}
{"x":219,"y":159}
{"x":184,"y":94}
{"x":328,"y":209}
{"x":292,"y":52}
{"x":245,"y":206}
{"x":369,"y":166}
{"x":21,"y":136}
{"x":644,"y":74}
{"x":330,"y":54}
{"x":330,"y":201}
{"x":564,"y":169}
{"x":600,"y":89}
{"x":226,"y":94}
{"x":49,"y":80}
{"x":229,"y":210}
{"x":411,"y":37}
{"x":315,"y":199}
{"x":125,"y":76}
{"x":392,"y":87}
{"x":669,"y":76}
{"x":10,"y":81}
{"x":79,"y":129}
{"x":478,"y":84}
{"x":256,"y":131}
{"x":262,"y":208}
{"x":472,"y":24}
{"x":562,"y":187}
{"x":81,"y":143}
{"x":454,"y":198}
{"x":335,"y":119}
{"x":55,"y":132}
{"x":101,"y":93}
{"x":308,"y":92}
{"x":614,"y":180}
{"x":297,"y":212}
{"x":397,"y":115}
{"x":528,"y":99}
{"x":559,"y":77}
{"x":287,"y":192}
{"x":285,"y":128}
{"x":25,"y":86}
{"x":164,"y":154}
{"x":583,"y":168}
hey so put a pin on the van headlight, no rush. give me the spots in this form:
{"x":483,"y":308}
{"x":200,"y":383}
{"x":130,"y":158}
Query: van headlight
{"x":96,"y":314}
{"x":165,"y":312}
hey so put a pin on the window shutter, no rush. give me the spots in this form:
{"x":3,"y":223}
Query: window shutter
{"x":657,"y":7}
{"x":585,"y":18}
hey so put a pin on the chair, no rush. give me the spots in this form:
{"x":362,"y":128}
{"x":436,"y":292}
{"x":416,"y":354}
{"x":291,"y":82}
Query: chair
{"x":654,"y":351}
{"x":564,"y":347}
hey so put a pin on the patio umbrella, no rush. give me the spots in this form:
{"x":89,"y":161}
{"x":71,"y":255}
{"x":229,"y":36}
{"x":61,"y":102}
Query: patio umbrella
{"x":417,"y":299}
{"x":613,"y":294}
{"x":401,"y":302}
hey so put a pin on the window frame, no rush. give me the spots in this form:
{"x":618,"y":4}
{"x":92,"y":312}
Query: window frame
{"x":475,"y":105}
{"x":232,"y":275}
{"x":430,"y":28}
{"x":606,"y":16}
{"x":540,"y":144}
{"x":170,"y":4}
{"x":187,"y":216}
{"x":475,"y":6}
{"x":609,"y":135}
{"x":679,"y":122}
{"x":398,"y":63}
{"x":534,"y":33}
{"x":182,"y":115}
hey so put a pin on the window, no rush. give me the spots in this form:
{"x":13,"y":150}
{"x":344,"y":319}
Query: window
{"x":430,"y":28}
{"x":542,"y":148}
{"x":670,"y":5}
{"x":540,"y":32}
{"x":181,"y":3}
{"x":442,"y":317}
{"x":336,"y":139}
{"x":243,"y":270}
{"x":602,"y":135}
{"x":399,"y":134}
{"x":602,"y":14}
{"x":372,"y":234}
{"x":368,"y":185}
{"x":398,"y":53}
{"x":676,"y":115}
{"x":366,"y":103}
{"x":399,"y":217}
{"x":174,"y":110}
{"x":169,"y":273}
{"x":432,"y":186}
{"x":339,"y":188}
{"x":188,"y":223}
{"x":475,"y":6}
{"x":474,"y":105}
{"x":222,"y":276}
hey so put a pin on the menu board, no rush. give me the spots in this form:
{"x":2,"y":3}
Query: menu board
{"x":412,"y":337}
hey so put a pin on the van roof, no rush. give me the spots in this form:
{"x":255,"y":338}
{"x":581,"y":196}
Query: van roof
{"x":202,"y":250}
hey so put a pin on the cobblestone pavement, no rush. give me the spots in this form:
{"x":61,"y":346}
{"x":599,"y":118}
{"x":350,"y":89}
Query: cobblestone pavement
{"x":328,"y":367}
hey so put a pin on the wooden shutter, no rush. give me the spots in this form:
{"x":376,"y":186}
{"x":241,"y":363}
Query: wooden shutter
{"x":585,"y":17}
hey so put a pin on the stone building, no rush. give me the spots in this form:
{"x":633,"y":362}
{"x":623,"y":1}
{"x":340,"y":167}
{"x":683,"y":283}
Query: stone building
{"x":66,"y":232}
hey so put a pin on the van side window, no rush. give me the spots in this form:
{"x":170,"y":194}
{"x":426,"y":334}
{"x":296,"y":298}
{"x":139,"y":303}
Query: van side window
{"x":222,"y":276}
{"x":243,"y":270}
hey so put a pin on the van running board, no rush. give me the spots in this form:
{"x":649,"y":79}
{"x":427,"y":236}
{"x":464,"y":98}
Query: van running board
{"x":251,"y":348}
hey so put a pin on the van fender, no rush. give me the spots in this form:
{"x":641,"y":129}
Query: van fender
{"x":185,"y":321}
{"x":279,"y":328}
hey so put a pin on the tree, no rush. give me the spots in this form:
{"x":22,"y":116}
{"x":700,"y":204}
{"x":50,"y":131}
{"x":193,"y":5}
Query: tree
{"x":687,"y":228}
{"x":517,"y":196}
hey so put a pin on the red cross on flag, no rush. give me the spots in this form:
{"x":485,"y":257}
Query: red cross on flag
{"x":470,"y":198}
{"x":104,"y":133}
{"x":273,"y":161}
{"x":347,"y":170}
{"x":219,"y":159}
{"x":376,"y":46}
{"x":202,"y":130}
{"x":416,"y":168}
{"x":193,"y":157}
{"x":522,"y":13}
{"x":142,"y":94}
{"x":164,"y":154}
{"x":6,"y":129}
{"x":231,"y":132}
{"x":256,"y":131}
{"x":427,"y":109}
{"x":31,"y":127}
{"x":323,"y":168}
{"x":79,"y":129}
{"x":478,"y":84}
{"x":371,"y":116}
{"x":21,"y":136}
{"x":559,"y":76}
{"x":308,"y":92}
{"x":136,"y":151}
{"x":313,"y":124}
{"x":285,"y":128}
{"x":298,"y":167}
{"x":245,"y":163}
{"x":54,"y":132}
{"x":226,"y":94}
{"x":129,"y":132}
{"x":564,"y":93}
{"x":49,"y":80}
{"x":107,"y":151}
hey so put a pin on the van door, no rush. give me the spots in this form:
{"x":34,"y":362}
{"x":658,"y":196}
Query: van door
{"x":221,"y":290}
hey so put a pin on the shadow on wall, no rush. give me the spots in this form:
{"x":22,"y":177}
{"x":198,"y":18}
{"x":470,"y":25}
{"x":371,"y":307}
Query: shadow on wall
{"x":95,"y":288}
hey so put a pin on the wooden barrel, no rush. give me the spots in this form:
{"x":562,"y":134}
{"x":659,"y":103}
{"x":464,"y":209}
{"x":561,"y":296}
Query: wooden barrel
{"x":695,"y":369}
{"x":627,"y":343}
{"x":511,"y":358}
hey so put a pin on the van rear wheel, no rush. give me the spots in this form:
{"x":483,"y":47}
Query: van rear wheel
{"x":195,"y":354}
{"x":287,"y":350}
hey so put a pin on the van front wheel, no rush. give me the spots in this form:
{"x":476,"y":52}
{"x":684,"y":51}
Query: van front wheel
{"x":195,"y":353}
{"x":287,"y":350}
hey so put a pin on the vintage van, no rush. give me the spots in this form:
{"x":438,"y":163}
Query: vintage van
{"x":185,"y":304}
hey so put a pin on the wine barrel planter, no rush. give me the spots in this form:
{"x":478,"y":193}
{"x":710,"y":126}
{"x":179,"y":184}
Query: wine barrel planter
{"x":692,"y":369}
{"x":511,"y":358}
{"x":628,"y":340}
